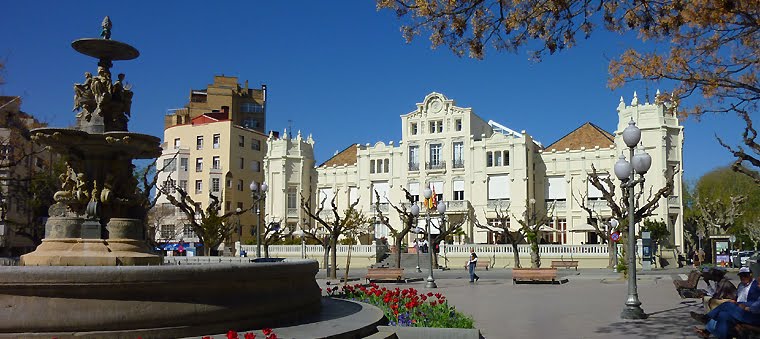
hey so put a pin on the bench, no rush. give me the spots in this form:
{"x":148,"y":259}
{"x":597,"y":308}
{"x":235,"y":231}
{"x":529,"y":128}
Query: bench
{"x":378,"y":274}
{"x":747,"y":331}
{"x":483,"y":263}
{"x":520,"y":275}
{"x":565,"y":264}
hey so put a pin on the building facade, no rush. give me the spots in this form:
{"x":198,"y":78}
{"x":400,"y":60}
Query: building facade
{"x":21,"y":160}
{"x":478,"y":167}
{"x":215,"y":145}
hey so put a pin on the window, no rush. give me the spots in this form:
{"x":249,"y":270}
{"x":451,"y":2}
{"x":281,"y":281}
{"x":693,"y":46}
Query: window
{"x":242,"y":163}
{"x":458,"y":189}
{"x":379,"y":166}
{"x":170,"y":165}
{"x":386,"y":165}
{"x":498,"y":187}
{"x":556,"y":188}
{"x":240,"y":205}
{"x":458,"y":125}
{"x":439,"y":124}
{"x":435,"y":154}
{"x":229,"y":183}
{"x":240,"y":185}
{"x":214,"y":184}
{"x":593,"y":192}
{"x":199,"y":164}
{"x":167,"y":231}
{"x":183,"y":164}
{"x":414,"y":158}
{"x":256,"y":166}
{"x":216,"y":163}
{"x":217,"y":137}
{"x":251,"y":107}
{"x":372,"y":166}
{"x":241,"y":140}
{"x":227,"y":205}
{"x":292,"y":197}
{"x":176,"y":143}
{"x":187,"y":231}
{"x":413,"y":129}
{"x":506,"y":158}
{"x":458,"y":154}
{"x":489,"y":159}
{"x":497,"y":158}
{"x":255,"y":144}
{"x":198,"y":186}
{"x":250,"y":123}
{"x":169,"y":186}
{"x":183,"y":185}
{"x":414,"y":190}
{"x":199,"y":142}
{"x":436,"y":126}
{"x":432,"y":127}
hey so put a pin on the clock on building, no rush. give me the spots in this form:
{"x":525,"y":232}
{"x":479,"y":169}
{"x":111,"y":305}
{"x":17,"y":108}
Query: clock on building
{"x":435,"y":106}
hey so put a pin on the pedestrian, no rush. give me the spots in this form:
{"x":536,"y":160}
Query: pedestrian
{"x":721,"y":320}
{"x":471,"y":265}
{"x":416,"y":246}
{"x":424,"y":246}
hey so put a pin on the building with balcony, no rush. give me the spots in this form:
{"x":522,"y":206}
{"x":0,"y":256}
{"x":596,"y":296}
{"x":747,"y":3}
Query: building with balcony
{"x":219,"y":152}
{"x":478,"y":167}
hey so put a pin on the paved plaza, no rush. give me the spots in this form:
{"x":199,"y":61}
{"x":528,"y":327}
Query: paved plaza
{"x":587,"y":306}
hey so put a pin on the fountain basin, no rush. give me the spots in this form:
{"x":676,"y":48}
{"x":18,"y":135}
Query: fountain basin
{"x":159,"y":301}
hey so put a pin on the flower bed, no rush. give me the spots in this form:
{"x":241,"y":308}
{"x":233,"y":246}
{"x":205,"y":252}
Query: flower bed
{"x":406,"y":307}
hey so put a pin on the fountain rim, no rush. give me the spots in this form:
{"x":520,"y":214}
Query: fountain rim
{"x":105,"y":49}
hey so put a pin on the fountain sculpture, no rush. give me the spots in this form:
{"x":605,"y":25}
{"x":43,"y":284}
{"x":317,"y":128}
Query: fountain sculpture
{"x":93,"y":275}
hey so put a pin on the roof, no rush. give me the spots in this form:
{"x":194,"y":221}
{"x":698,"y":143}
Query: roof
{"x":588,"y":136}
{"x":345,"y":157}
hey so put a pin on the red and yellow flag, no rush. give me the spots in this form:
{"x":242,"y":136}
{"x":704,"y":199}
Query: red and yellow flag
{"x":433,"y":201}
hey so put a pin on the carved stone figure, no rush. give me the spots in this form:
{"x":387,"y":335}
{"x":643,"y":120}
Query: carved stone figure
{"x":106,"y":32}
{"x":68,"y":185}
{"x":83,"y":94}
{"x":80,"y":193}
{"x":101,"y":87}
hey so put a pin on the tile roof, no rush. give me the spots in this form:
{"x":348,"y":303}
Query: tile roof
{"x":345,"y":157}
{"x":588,"y":136}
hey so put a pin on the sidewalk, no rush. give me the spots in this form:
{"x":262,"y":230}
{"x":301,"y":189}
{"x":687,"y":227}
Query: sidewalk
{"x":588,"y":306}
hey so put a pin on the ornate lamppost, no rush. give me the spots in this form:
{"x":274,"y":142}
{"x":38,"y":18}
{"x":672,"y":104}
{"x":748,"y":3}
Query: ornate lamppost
{"x":625,"y":171}
{"x":258,"y":193}
{"x":427,"y":193}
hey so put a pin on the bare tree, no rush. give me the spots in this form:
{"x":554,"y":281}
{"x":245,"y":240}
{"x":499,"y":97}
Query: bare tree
{"x":274,"y":232}
{"x":450,"y":226}
{"x":210,"y":227}
{"x":335,"y":227}
{"x":619,"y":207}
{"x":742,"y":157}
{"x":532,"y":221}
{"x":406,"y":217}
{"x":501,"y":225}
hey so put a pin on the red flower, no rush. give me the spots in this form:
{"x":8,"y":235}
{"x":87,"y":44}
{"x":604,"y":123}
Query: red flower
{"x":206,"y":337}
{"x":432,"y":303}
{"x":232,"y":335}
{"x":250,"y":335}
{"x":430,"y":294}
{"x":438,"y":295}
{"x":395,"y":311}
{"x":267,"y":331}
{"x":423,"y":298}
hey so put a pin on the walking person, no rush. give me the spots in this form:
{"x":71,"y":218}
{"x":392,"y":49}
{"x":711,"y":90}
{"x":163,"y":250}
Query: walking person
{"x":471,"y":265}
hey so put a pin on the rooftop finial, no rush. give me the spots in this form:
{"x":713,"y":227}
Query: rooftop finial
{"x":635,"y":101}
{"x":106,"y":32}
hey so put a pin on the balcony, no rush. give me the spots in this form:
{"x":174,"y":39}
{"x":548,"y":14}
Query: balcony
{"x":673,"y":200}
{"x":384,"y":207}
{"x":439,"y":165}
{"x":497,"y":204}
{"x":457,"y":205}
{"x":457,"y":163}
{"x":292,"y":212}
{"x":414,"y":166}
{"x":556,"y":204}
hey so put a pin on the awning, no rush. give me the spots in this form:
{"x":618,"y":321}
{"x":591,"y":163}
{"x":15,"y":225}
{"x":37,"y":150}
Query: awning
{"x":545,"y":228}
{"x":583,"y":228}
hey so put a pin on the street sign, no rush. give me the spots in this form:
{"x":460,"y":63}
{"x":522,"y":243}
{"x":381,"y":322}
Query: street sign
{"x":615,"y":236}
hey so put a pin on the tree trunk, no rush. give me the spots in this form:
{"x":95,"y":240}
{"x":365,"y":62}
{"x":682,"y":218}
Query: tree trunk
{"x":326,"y":246}
{"x":516,"y":254}
{"x":398,"y":250}
{"x":612,"y":250}
{"x":535,"y":258}
{"x":266,"y":250}
{"x":348,"y":264}
{"x":206,"y":250}
{"x":333,"y":258}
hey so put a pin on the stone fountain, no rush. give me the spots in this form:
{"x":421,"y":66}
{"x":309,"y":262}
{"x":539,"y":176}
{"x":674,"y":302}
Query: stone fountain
{"x":93,"y":275}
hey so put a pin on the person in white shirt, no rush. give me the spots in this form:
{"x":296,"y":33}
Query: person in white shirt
{"x":471,"y":265}
{"x":745,"y":278}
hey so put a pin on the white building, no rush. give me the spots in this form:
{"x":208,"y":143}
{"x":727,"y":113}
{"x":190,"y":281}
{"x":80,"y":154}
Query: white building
{"x":477,"y":166}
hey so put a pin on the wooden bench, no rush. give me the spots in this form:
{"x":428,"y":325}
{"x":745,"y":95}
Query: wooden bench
{"x":565,"y":264}
{"x":483,"y":263}
{"x":747,"y":331}
{"x":534,"y":275}
{"x":378,"y":274}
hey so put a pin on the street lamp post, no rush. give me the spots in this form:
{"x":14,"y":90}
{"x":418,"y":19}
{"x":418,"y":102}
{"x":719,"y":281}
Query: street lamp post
{"x":625,"y":171}
{"x":258,"y":193}
{"x":417,"y":248}
{"x":300,"y":233}
{"x":427,"y":193}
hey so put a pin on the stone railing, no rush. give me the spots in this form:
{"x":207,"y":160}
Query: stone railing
{"x":457,"y":205}
{"x":292,"y":212}
{"x":554,"y":250}
{"x":494,"y":204}
{"x":556,"y":204}
{"x":673,"y":200}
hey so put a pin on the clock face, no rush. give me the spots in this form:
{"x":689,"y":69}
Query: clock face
{"x":436,"y":105}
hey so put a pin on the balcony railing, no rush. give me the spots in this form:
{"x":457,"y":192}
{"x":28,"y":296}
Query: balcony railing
{"x":457,"y":163}
{"x":414,"y":166}
{"x":292,"y":212}
{"x":384,"y":207}
{"x":673,"y":200}
{"x":435,"y":165}
{"x":497,"y":204}
{"x":556,"y":204}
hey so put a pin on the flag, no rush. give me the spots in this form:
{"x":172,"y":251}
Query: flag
{"x":432,"y":202}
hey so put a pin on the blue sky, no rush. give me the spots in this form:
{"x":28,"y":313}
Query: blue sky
{"x":339,"y":70}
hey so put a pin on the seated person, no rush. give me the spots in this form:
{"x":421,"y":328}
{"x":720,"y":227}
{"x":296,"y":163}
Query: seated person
{"x":721,"y":320}
{"x":727,"y":292}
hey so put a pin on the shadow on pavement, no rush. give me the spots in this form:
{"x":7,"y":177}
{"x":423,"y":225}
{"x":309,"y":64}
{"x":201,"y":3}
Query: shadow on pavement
{"x":673,"y":322}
